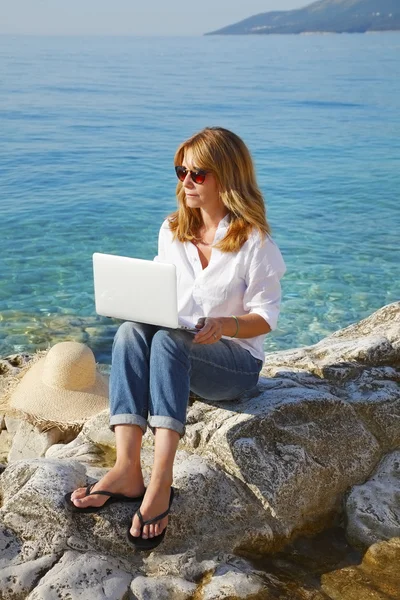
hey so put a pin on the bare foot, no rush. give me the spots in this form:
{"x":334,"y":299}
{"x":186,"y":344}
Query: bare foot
{"x":117,"y":481}
{"x":155,"y":502}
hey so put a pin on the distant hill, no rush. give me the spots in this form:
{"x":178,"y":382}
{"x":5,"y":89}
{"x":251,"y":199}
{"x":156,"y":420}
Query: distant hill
{"x":334,"y":16}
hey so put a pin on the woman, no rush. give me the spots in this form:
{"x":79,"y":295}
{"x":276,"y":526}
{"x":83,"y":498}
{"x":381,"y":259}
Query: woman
{"x":228,"y":270}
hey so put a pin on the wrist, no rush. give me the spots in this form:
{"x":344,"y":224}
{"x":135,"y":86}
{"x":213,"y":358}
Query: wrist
{"x":229,"y":325}
{"x":234,"y":317}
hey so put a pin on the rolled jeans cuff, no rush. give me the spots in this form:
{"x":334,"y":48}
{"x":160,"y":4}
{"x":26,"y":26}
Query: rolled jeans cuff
{"x":166,"y":423}
{"x":128,"y":419}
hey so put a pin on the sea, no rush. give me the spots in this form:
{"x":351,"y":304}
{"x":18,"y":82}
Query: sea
{"x":88,"y":131}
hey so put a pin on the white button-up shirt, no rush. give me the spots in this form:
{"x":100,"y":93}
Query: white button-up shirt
{"x":233,"y":283}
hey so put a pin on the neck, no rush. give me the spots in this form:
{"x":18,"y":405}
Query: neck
{"x":211,"y":219}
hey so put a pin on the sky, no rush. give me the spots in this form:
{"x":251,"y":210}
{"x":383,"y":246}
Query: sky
{"x":129,"y":17}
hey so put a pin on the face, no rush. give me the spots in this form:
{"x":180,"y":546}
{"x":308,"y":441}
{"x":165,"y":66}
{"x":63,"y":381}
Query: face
{"x":200,"y":195}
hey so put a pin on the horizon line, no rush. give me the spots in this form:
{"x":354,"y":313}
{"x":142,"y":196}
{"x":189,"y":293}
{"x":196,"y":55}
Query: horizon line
{"x":180,"y":35}
{"x":47,"y":34}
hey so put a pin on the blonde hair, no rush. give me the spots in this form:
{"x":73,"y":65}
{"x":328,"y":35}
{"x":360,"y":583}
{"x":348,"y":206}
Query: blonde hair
{"x":225,"y":154}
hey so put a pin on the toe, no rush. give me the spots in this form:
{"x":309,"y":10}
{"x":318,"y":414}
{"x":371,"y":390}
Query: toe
{"x":135,"y":529}
{"x":82,"y":502}
{"x":151,"y":531}
{"x":95,"y":500}
{"x":145,"y":533}
{"x":79,"y":493}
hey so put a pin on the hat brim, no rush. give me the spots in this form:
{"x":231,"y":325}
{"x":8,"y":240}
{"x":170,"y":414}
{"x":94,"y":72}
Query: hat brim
{"x":58,"y":405}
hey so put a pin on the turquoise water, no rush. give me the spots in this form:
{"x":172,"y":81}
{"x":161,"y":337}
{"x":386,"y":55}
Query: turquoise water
{"x":89,"y":127}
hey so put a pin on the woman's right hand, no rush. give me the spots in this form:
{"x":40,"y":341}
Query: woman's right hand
{"x":210,"y":330}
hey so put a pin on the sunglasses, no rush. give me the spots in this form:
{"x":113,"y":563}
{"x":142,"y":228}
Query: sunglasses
{"x":197,"y":176}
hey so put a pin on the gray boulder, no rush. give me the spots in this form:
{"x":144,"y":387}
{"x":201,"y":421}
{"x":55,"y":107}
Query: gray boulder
{"x":83,"y":577}
{"x":20,"y":568}
{"x":373,"y":508}
{"x":162,"y":588}
{"x":30,"y":442}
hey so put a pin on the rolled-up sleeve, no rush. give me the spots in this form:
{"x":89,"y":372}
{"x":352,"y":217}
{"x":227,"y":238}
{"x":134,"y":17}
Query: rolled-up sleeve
{"x":265,"y":270}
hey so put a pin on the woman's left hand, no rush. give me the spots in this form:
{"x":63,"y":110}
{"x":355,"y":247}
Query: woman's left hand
{"x":210,"y":331}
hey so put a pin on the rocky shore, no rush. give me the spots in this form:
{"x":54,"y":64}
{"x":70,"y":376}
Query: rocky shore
{"x":316,"y":444}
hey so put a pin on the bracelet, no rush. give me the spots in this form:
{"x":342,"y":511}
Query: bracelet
{"x":237,"y":326}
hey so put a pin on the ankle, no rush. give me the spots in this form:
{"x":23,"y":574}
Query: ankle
{"x":161,"y":479}
{"x":128,"y":467}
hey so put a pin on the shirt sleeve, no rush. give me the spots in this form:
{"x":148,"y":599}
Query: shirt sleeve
{"x":265,"y":269}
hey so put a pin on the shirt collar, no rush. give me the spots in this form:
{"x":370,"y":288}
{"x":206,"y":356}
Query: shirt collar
{"x":224,"y":223}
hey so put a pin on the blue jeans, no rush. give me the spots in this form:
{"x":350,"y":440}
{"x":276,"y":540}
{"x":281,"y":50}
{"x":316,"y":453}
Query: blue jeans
{"x":154,"y":368}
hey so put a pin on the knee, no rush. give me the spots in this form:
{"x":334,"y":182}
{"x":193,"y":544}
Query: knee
{"x":127,"y":333}
{"x":170,"y":341}
{"x":124,"y":333}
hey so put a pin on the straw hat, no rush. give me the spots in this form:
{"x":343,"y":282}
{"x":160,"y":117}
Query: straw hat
{"x":63,"y":387}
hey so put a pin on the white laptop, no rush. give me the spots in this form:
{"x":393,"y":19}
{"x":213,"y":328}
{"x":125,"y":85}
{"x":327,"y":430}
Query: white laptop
{"x":137,"y":290}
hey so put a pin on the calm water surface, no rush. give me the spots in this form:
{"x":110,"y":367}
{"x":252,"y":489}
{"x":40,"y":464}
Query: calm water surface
{"x":89,"y":127}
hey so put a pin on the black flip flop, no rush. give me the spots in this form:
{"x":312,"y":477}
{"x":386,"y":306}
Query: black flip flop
{"x":112,"y":498}
{"x":148,"y":544}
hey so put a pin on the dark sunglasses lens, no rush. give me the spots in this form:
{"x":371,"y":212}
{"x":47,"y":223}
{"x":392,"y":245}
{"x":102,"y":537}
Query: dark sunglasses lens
{"x":180,"y":173}
{"x":198,"y":176}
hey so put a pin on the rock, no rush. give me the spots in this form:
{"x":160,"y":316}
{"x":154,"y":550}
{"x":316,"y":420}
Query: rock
{"x":12,"y":424}
{"x":97,"y":429}
{"x":80,"y":449}
{"x":162,"y":588}
{"x":95,"y":473}
{"x":11,"y":365}
{"x":85,"y":576}
{"x":373,"y":508}
{"x":230,"y":583}
{"x":295,"y":451}
{"x":10,"y":547}
{"x":33,"y":507}
{"x":375,"y":395}
{"x":29,"y":442}
{"x":222,"y":506}
{"x":18,"y":360}
{"x":184,"y":565}
{"x":19,"y":566}
{"x":372,"y":342}
{"x":16,"y":581}
{"x":377,"y":578}
{"x":5,"y":444}
{"x":4,"y":367}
